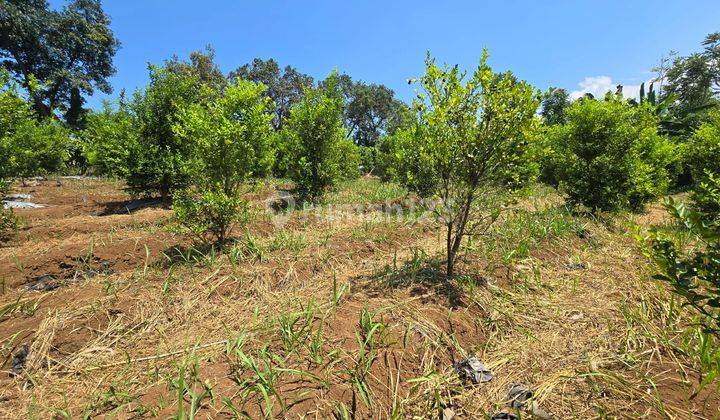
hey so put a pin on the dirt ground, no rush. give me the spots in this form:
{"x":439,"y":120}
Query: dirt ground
{"x":110,"y":313}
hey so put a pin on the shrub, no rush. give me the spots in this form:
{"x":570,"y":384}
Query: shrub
{"x":369,"y":159}
{"x":233,"y":144}
{"x":706,"y":197}
{"x":609,"y":156}
{"x":8,"y":224}
{"x":109,"y":137}
{"x":349,"y":160}
{"x":210,"y":215}
{"x":8,"y":220}
{"x":407,"y":161}
{"x":39,"y":149}
{"x":316,"y":148}
{"x":161,"y":161}
{"x":703,"y":149}
{"x":470,"y":143}
{"x":27,"y":147}
{"x":693,"y":272}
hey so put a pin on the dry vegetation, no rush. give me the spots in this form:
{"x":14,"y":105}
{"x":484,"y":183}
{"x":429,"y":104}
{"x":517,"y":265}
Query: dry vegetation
{"x":342,"y":316}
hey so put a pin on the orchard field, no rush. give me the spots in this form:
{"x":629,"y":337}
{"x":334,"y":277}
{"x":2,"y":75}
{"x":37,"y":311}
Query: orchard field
{"x":343,"y":312}
{"x":265,"y":243}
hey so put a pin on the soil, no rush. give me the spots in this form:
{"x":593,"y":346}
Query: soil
{"x":106,"y":311}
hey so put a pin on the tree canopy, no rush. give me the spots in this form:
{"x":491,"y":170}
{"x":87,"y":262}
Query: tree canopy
{"x":285,"y":88}
{"x":69,"y":52}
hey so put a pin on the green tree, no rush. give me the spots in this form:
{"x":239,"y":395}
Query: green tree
{"x":703,"y":152}
{"x":609,"y":155}
{"x":554,"y":106}
{"x":317,"y":151}
{"x":69,"y":52}
{"x":371,"y":110}
{"x":693,"y":272}
{"x":201,"y":65}
{"x":284,"y":88}
{"x":233,"y":134}
{"x":703,"y":159}
{"x":28,"y":147}
{"x":693,"y":84}
{"x":109,"y":137}
{"x":472,"y":137}
{"x":705,"y":196}
{"x":161,"y":161}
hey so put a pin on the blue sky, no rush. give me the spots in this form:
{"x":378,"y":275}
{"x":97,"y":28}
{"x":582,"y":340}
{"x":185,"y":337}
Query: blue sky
{"x":548,"y":43}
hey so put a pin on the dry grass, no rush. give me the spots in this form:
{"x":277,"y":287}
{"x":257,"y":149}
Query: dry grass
{"x":348,"y":317}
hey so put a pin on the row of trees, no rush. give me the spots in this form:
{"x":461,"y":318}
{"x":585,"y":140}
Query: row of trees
{"x":199,"y":140}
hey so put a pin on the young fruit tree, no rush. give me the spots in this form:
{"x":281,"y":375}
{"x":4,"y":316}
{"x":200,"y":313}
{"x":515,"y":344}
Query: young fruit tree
{"x":472,"y":139}
{"x":108,"y":139}
{"x":314,"y":142}
{"x":691,"y":268}
{"x":609,"y":156}
{"x":233,"y":144}
{"x":160,"y":161}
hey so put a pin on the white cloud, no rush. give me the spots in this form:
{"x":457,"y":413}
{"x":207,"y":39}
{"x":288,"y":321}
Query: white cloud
{"x":600,"y":85}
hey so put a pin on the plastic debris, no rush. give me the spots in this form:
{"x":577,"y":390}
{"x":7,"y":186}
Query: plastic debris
{"x":18,"y":361}
{"x":519,"y":396}
{"x":473,"y":370}
{"x":18,"y":197}
{"x":43,"y":283}
{"x":577,"y":266}
{"x":133,"y":206}
{"x":448,"y":414}
{"x":504,"y":415}
{"x":12,"y":204}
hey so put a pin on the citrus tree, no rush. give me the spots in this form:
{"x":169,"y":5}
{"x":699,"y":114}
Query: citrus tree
{"x":161,"y":161}
{"x":471,"y":139}
{"x":108,"y":138}
{"x":314,"y":142}
{"x":233,"y":137}
{"x":609,"y":156}
{"x":691,"y":271}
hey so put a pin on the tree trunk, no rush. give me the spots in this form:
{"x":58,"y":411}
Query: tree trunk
{"x":73,"y":115}
{"x":450,"y":255}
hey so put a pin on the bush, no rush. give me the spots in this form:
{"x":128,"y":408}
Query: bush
{"x":693,"y":272}
{"x":8,"y":220}
{"x":109,"y":137}
{"x":408,"y":162}
{"x":161,"y":161}
{"x":609,"y":156}
{"x":369,"y":158}
{"x":316,"y":148}
{"x":210,"y":215}
{"x":349,"y":160}
{"x":39,"y":149}
{"x":8,"y":224}
{"x":703,"y":149}
{"x":27,"y":147}
{"x":233,"y":135}
{"x":706,"y":197}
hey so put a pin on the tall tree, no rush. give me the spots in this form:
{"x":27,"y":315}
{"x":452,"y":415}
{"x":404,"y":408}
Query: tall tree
{"x":285,"y":88}
{"x":554,"y":105}
{"x":69,"y":52}
{"x":371,"y":110}
{"x":201,"y":65}
{"x":693,"y":84}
